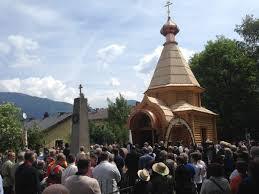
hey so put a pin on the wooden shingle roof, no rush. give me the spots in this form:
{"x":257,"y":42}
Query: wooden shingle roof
{"x":172,"y":69}
{"x":184,"y":106}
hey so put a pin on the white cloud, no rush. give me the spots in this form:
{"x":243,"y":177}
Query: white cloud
{"x":98,"y":98}
{"x":45,"y":16}
{"x":148,"y":62}
{"x":22,"y":43}
{"x":108,"y":54}
{"x":114,"y":82}
{"x":45,"y":87}
{"x":187,"y":53}
{"x":19,"y":51}
{"x":129,"y":95}
{"x":4,"y":48}
{"x":48,"y":87}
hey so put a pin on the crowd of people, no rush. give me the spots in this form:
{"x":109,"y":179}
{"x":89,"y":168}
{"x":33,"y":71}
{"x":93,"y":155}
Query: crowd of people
{"x":222,"y":168}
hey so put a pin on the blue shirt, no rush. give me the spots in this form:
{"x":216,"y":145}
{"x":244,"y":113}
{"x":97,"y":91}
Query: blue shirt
{"x":145,"y":161}
{"x":190,"y":168}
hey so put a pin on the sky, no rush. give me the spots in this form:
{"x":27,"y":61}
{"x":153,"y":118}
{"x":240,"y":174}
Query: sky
{"x":47,"y":48}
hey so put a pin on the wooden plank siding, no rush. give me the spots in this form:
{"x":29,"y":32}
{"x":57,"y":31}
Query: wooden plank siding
{"x":207,"y":123}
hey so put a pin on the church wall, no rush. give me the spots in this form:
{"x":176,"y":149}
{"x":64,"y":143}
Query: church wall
{"x":61,"y":131}
{"x":196,"y":99}
{"x":172,"y":97}
{"x":204,"y":122}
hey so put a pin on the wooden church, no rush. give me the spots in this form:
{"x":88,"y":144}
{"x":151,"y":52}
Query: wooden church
{"x":171,"y":109}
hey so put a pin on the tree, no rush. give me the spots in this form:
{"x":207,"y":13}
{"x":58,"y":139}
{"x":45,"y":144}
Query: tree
{"x":229,"y":76}
{"x":35,"y":138}
{"x":11,"y":132}
{"x":118,"y":113}
{"x":249,"y":31}
{"x":100,"y":133}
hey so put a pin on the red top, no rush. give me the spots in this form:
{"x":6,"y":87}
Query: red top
{"x":234,"y":183}
{"x":54,"y":174}
{"x":56,"y":169}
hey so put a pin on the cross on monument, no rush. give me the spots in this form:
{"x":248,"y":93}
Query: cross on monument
{"x":80,"y":89}
{"x":80,"y":127}
{"x":168,"y":3}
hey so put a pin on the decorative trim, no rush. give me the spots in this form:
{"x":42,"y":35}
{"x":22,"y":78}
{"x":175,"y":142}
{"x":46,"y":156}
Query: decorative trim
{"x":170,"y":128}
{"x":146,"y":112}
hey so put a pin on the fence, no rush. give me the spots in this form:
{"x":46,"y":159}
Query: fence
{"x":111,"y":187}
{"x":126,"y":190}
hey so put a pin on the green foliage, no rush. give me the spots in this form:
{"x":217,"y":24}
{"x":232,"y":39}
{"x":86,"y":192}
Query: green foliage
{"x":229,"y":76}
{"x":10,"y":127}
{"x":118,"y":114}
{"x":249,"y":30}
{"x":100,"y":133}
{"x":114,"y":129}
{"x":35,"y":138}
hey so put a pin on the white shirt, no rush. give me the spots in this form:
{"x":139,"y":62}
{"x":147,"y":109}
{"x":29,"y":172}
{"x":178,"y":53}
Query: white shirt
{"x":108,"y":176}
{"x":78,"y":184}
{"x":204,"y":169}
{"x":1,"y":185}
{"x":198,"y":173}
{"x":233,"y":174}
{"x":69,"y":171}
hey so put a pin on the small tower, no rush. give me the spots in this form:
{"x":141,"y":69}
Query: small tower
{"x":171,"y":108}
{"x":172,"y":72}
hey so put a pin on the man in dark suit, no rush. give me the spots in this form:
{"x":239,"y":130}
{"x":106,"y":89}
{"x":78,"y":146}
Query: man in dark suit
{"x":27,"y":177}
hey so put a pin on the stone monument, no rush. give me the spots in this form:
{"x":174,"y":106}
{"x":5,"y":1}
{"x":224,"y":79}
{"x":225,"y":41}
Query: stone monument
{"x":80,"y":128}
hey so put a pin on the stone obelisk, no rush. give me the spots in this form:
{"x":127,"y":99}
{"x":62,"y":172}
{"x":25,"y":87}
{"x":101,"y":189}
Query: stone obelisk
{"x":80,"y":128}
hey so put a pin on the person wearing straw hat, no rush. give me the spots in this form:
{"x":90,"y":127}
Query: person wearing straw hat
{"x":162,"y":182}
{"x":143,"y":184}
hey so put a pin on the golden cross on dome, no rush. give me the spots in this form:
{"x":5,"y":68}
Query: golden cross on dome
{"x":168,"y":3}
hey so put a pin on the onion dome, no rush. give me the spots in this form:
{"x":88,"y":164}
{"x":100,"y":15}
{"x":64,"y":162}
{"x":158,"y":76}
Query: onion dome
{"x":169,"y":30}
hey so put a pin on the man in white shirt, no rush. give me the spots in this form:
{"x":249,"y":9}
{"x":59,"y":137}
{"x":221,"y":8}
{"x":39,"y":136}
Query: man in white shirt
{"x":200,"y":169}
{"x":81,"y":183}
{"x":1,"y":185}
{"x":70,"y":170}
{"x":107,"y":175}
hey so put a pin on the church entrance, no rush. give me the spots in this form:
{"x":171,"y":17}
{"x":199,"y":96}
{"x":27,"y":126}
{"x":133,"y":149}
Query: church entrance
{"x":179,"y":132}
{"x":142,"y":129}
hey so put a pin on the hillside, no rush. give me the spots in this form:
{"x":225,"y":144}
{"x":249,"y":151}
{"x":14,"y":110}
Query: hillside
{"x":34,"y":106}
{"x":132,"y":102}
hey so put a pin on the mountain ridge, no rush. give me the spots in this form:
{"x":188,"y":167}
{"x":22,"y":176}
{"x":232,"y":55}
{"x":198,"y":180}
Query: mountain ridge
{"x":35,"y":107}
